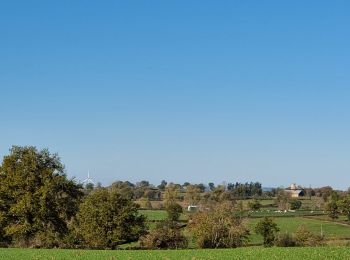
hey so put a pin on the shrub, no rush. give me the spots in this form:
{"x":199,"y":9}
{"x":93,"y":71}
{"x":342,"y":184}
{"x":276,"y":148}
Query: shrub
{"x":174,"y":211}
{"x":284,"y":240}
{"x":332,"y":209}
{"x":167,"y":235}
{"x":304,"y":237}
{"x":106,"y":219}
{"x":295,"y":204}
{"x":268,"y":229}
{"x":254,"y":205}
{"x":145,"y":203}
{"x":219,"y":228}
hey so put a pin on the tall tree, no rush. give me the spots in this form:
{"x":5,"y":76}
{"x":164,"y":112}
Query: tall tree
{"x":171,"y":194}
{"x":36,"y":198}
{"x":268,"y":229}
{"x":192,"y":196}
{"x":107,"y":219}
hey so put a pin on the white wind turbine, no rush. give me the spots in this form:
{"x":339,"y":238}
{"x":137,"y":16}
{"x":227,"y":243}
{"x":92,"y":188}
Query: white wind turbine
{"x":88,"y":180}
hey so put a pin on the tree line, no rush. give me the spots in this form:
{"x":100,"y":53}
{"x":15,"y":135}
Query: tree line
{"x":41,"y":207}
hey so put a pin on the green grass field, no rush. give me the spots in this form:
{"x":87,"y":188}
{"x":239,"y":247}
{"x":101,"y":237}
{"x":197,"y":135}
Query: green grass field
{"x":239,"y":253}
{"x":331,"y":230}
{"x":157,"y":215}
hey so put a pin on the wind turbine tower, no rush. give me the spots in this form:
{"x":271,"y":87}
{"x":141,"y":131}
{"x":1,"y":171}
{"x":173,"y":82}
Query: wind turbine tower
{"x":88,"y":180}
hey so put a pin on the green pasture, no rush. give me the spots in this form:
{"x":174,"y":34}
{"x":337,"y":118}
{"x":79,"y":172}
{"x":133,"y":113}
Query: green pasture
{"x":157,"y":215}
{"x":331,"y":230}
{"x":309,"y":253}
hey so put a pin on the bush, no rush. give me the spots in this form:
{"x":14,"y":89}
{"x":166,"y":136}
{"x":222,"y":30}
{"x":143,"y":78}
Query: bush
{"x":295,"y":204}
{"x":219,"y":228}
{"x":106,"y":219}
{"x":167,"y":235}
{"x":254,"y":205}
{"x":174,"y":211}
{"x":285,"y":240}
{"x":268,"y":229}
{"x":304,"y":237}
{"x":333,"y":210}
{"x":145,"y":203}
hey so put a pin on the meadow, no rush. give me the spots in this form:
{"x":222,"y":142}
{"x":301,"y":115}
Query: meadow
{"x":238,"y":253}
{"x":287,"y":222}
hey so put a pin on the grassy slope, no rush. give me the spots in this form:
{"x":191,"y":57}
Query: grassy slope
{"x":330,"y":230}
{"x":239,"y":253}
{"x":286,"y":224}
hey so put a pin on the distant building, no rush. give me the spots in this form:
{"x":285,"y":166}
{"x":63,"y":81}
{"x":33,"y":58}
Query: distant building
{"x":295,"y":191}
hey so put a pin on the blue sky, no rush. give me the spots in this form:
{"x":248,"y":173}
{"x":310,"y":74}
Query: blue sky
{"x":194,"y":91}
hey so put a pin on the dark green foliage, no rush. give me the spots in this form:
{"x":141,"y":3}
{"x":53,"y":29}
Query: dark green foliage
{"x":174,"y":211}
{"x":124,"y":188}
{"x":106,"y":219}
{"x":211,"y":186}
{"x":268,"y":229}
{"x":344,"y":206}
{"x":295,"y":204}
{"x":167,"y":235}
{"x":88,"y":188}
{"x":245,"y":190}
{"x":284,"y":240}
{"x":162,"y":185}
{"x":36,"y":198}
{"x":254,"y":205}
{"x":332,"y":209}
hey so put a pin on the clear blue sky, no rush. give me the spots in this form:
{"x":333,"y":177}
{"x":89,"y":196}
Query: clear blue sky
{"x":194,"y":91}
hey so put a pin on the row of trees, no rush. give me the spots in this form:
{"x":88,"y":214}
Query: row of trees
{"x":41,"y":207}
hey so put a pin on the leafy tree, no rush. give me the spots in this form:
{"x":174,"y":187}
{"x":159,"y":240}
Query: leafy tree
{"x":141,"y":188}
{"x":167,"y":235}
{"x":107,"y":219}
{"x":219,"y":194}
{"x":145,"y":203}
{"x":186,"y":183}
{"x":36,"y":198}
{"x":268,"y":229}
{"x":200,"y":187}
{"x":254,"y":205}
{"x":295,"y":204}
{"x":332,"y":209}
{"x":124,"y":188}
{"x":284,"y":240}
{"x":219,"y":228}
{"x":174,"y":211}
{"x":162,"y":185}
{"x":88,"y":188}
{"x":304,"y":237}
{"x":245,"y":190}
{"x":282,"y":200}
{"x":171,"y":195}
{"x":344,"y":206}
{"x":211,"y":186}
{"x":192,"y":196}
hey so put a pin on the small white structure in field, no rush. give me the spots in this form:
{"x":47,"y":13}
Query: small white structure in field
{"x":192,"y":208}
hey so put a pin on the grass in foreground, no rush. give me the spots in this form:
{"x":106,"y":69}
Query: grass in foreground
{"x":239,"y":253}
